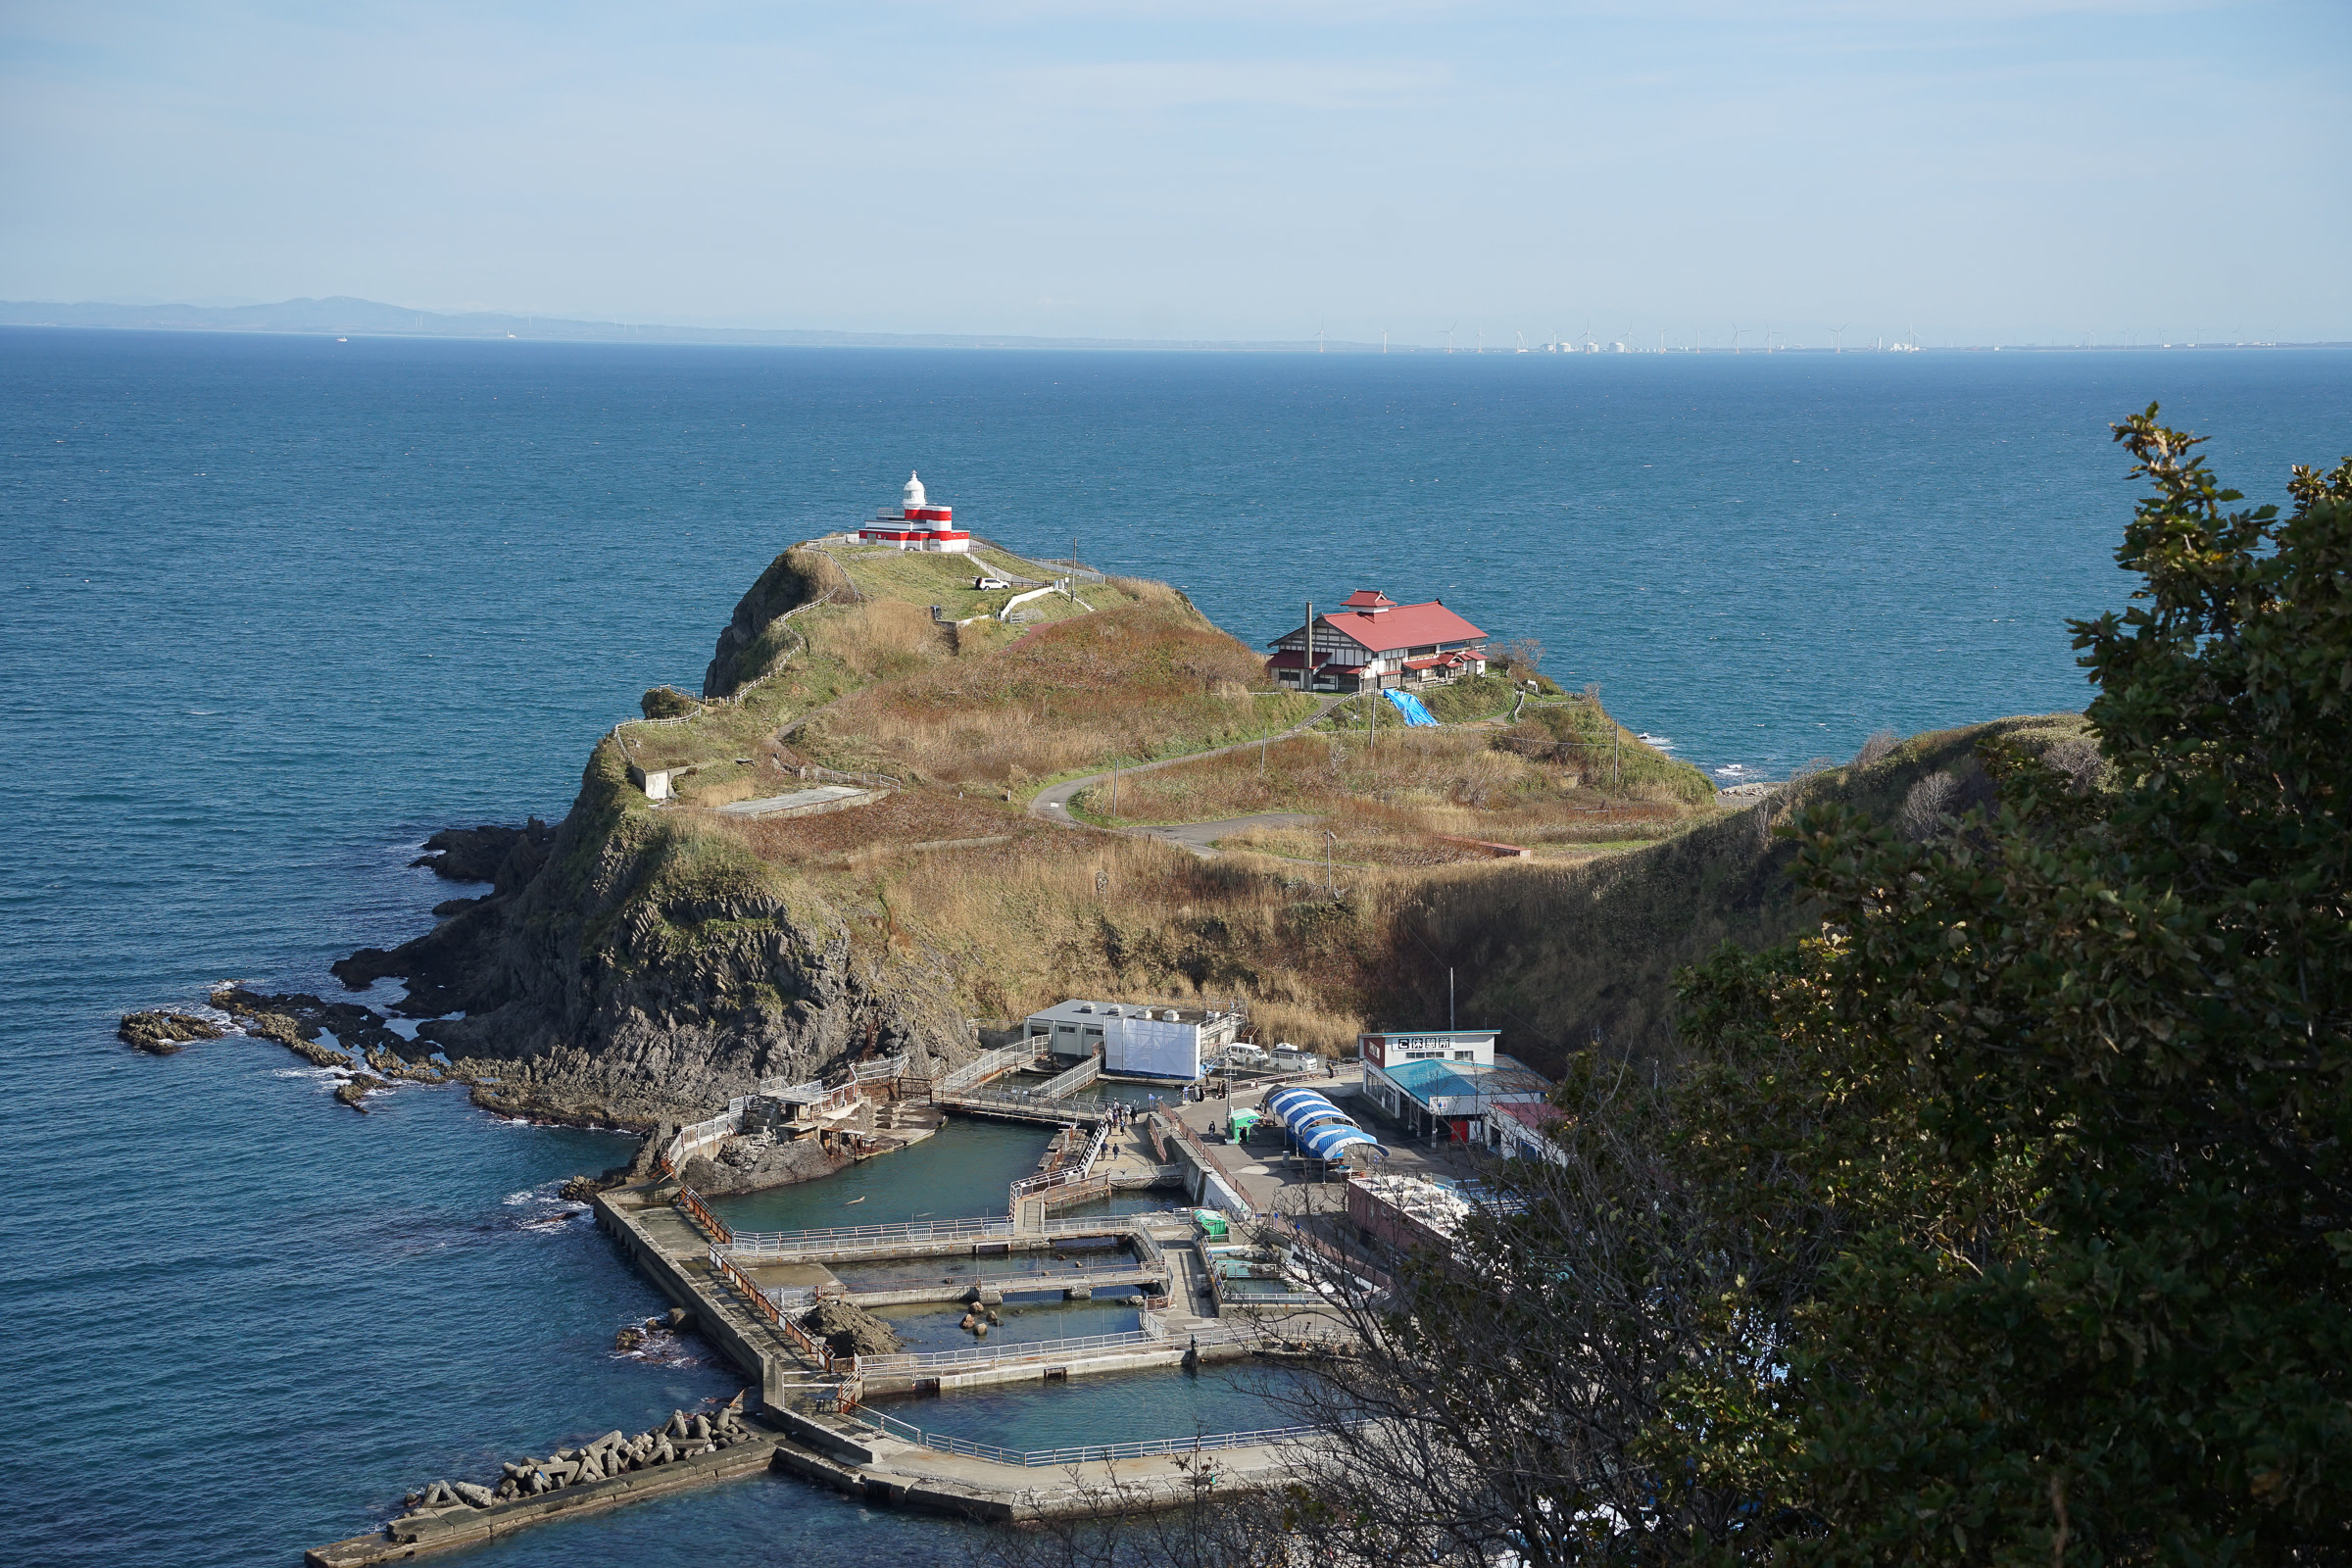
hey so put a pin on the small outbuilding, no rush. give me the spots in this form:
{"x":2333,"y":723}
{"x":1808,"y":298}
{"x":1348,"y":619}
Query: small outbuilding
{"x":1135,"y":1040}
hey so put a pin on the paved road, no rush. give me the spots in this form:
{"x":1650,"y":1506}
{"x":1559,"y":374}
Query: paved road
{"x":1053,"y":803}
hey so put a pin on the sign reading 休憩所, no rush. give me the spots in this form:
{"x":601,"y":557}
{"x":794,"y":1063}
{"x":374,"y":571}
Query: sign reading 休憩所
{"x":1429,"y":1045}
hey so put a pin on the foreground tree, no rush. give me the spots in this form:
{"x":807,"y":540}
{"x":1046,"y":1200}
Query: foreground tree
{"x":2007,"y":1219}
{"x":2068,"y":1081}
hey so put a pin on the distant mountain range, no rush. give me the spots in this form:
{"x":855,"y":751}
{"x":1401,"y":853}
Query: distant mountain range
{"x":343,"y":315}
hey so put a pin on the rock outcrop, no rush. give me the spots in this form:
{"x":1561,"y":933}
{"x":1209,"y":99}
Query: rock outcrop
{"x":850,"y":1330}
{"x":159,"y":1034}
{"x":623,"y":971}
{"x":742,"y":1166}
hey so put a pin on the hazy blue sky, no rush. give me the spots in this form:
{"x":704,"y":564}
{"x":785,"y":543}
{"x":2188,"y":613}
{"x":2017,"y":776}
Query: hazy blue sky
{"x":1991,"y":169}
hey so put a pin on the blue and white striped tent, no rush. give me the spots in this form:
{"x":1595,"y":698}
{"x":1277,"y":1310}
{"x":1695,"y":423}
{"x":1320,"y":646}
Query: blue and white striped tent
{"x":1334,"y":1138}
{"x":1319,"y":1127}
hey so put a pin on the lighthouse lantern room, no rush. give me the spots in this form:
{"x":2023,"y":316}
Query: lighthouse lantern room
{"x":917,"y":525}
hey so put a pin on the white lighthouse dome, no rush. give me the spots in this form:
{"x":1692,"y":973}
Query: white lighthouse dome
{"x":914,"y":491}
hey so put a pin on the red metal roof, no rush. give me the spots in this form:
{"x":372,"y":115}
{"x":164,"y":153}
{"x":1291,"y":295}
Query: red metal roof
{"x":1405,"y":626}
{"x":1369,"y":599}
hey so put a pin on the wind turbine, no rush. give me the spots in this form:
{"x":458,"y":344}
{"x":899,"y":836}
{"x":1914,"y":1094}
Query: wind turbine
{"x":1522,"y":337}
{"x":1482,"y":341}
{"x":1449,"y":336}
{"x":1838,"y":332}
{"x":1736,"y":329}
{"x":1318,"y":340}
{"x":1383,"y":340}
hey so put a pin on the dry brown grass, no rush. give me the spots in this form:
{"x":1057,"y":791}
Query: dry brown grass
{"x":883,"y":639}
{"x":720,"y":792}
{"x":1141,"y":678}
{"x":909,"y":818}
{"x":1058,"y":914}
{"x":1413,"y":785}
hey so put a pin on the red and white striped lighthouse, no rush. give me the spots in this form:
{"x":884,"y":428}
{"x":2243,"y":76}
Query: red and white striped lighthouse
{"x":917,"y":525}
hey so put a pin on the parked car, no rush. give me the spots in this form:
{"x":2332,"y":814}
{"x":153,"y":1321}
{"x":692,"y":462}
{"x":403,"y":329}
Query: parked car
{"x":990,"y":582}
{"x":1244,"y":1053}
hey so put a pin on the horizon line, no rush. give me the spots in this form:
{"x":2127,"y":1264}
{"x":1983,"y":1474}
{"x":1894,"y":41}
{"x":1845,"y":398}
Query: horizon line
{"x":350,"y":316}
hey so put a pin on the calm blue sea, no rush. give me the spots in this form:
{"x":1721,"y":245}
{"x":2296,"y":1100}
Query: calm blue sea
{"x":277,"y":607}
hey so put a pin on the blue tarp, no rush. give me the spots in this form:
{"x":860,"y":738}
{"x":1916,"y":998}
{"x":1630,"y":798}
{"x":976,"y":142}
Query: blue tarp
{"x":1410,"y":707}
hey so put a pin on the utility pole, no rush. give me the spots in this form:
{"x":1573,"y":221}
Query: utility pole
{"x":1449,"y":998}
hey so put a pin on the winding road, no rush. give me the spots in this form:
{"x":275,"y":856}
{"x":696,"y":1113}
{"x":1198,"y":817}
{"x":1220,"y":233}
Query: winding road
{"x":1053,"y":804}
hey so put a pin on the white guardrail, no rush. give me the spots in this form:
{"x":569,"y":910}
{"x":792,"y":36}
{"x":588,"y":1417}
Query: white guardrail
{"x":1154,"y":1335}
{"x":985,"y":1065}
{"x":764,"y":1247}
{"x":1078,"y":1077}
{"x":695,"y":1139}
{"x":1067,"y":1175}
{"x":1054,"y":1458}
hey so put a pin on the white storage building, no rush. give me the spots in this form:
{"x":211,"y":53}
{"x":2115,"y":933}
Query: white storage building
{"x":1137,"y":1039}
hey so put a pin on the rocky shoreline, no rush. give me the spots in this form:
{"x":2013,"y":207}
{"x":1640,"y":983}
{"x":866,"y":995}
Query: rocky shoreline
{"x":611,"y":977}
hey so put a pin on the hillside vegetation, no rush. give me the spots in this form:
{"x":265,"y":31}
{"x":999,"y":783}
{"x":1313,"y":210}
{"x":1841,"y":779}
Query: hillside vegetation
{"x":676,"y":930}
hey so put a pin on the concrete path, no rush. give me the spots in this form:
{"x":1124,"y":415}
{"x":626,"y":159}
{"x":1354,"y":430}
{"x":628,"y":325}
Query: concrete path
{"x":1053,"y":804}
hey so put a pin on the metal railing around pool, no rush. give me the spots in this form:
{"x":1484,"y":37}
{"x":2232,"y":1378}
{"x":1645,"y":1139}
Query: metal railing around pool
{"x":1156,"y":1334}
{"x":778,"y":1245}
{"x":770,"y":1308}
{"x":1085,"y":1453}
{"x":989,"y":1063}
{"x":691,"y":1202}
{"x":816,"y":1243}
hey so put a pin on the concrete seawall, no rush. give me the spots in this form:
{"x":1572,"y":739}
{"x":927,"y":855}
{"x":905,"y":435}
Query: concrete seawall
{"x":797,"y":1431}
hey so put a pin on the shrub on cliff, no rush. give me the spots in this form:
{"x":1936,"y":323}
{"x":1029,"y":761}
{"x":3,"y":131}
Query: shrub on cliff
{"x":667,"y":702}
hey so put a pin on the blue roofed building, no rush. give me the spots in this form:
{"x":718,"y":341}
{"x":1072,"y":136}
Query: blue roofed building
{"x":1447,"y":1083}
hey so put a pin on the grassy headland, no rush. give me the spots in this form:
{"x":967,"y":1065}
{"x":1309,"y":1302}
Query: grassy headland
{"x":1636,"y":867}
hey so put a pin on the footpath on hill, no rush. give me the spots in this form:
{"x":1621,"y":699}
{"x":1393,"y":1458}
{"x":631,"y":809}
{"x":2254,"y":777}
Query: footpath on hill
{"x":1053,"y":804}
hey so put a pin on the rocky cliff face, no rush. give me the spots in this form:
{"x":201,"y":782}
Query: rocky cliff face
{"x":629,"y":965}
{"x":597,"y":989}
{"x":740,"y":656}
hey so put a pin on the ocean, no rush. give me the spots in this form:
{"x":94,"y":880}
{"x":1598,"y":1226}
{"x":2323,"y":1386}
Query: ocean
{"x":280,"y":606}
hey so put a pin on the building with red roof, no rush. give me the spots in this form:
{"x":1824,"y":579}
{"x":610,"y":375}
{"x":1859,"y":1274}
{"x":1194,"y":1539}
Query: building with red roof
{"x":1372,"y":642}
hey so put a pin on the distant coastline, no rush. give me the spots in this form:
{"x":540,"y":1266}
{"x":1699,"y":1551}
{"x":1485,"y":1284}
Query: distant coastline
{"x":343,"y":315}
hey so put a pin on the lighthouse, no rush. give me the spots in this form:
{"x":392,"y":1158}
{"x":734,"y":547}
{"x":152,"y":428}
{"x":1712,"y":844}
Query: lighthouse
{"x":917,"y":524}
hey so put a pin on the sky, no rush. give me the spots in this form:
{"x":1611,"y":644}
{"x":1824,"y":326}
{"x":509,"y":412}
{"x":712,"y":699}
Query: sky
{"x":1971,"y":171}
